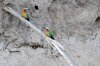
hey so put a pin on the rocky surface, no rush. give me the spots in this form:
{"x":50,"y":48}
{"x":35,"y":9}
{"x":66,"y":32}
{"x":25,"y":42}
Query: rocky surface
{"x":76,"y":23}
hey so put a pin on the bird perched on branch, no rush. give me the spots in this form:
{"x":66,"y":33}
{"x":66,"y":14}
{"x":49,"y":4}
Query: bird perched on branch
{"x":49,"y":33}
{"x":25,"y":14}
